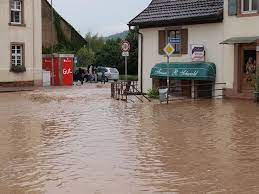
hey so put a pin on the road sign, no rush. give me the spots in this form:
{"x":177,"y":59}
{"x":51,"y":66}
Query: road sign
{"x":125,"y":54}
{"x":175,"y":40}
{"x":169,"y":49}
{"x":125,"y":46}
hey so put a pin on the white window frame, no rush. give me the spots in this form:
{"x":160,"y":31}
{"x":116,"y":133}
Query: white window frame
{"x":16,"y":8}
{"x":250,"y":7}
{"x":15,"y":55}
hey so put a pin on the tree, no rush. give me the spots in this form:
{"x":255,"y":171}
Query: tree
{"x":85,"y":57}
{"x":110,"y":54}
{"x":95,"y":42}
{"x":132,"y":37}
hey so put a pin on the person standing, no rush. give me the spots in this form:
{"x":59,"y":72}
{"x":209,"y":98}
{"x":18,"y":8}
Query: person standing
{"x":91,"y":73}
{"x":95,"y":74}
{"x":103,"y":80}
{"x":81,"y":75}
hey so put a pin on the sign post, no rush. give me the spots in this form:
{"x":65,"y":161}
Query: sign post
{"x":169,"y":50}
{"x":125,"y":48}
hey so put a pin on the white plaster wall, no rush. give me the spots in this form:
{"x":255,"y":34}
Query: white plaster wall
{"x":210,"y":35}
{"x":236,"y":27}
{"x":30,"y":35}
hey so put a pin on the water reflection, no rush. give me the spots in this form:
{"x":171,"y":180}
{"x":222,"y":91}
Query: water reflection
{"x":85,"y":142}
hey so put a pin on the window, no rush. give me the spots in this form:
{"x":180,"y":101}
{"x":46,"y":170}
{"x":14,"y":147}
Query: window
{"x":249,"y":6}
{"x":175,"y":34}
{"x":17,"y":55}
{"x":179,"y":37}
{"x":16,"y":11}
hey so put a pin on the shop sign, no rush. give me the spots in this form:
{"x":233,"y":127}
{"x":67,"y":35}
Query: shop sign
{"x":185,"y":73}
{"x":198,"y":53}
{"x":178,"y":72}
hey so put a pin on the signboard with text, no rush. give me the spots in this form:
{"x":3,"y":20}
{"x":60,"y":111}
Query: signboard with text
{"x":175,"y":40}
{"x":198,"y":53}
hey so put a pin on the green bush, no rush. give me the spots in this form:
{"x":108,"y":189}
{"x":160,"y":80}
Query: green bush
{"x":18,"y":69}
{"x":153,"y":93}
{"x":130,"y":77}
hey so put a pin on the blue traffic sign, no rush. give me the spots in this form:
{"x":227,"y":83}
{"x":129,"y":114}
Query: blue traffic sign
{"x":175,"y":40}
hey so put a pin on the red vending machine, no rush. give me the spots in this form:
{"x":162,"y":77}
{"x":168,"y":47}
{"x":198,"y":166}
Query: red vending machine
{"x":62,"y":69}
{"x":67,"y":71}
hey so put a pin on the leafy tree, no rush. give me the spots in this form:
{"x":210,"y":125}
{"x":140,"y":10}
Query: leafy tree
{"x":110,"y":54}
{"x":95,"y":42}
{"x":85,"y":57}
{"x":132,"y":37}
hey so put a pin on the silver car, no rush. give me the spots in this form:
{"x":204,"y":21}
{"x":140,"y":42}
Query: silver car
{"x":109,"y":73}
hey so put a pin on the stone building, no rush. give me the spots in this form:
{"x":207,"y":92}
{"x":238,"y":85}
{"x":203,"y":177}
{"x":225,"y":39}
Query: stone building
{"x":64,"y":33}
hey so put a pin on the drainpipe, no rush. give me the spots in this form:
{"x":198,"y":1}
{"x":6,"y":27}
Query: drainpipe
{"x":33,"y":40}
{"x":257,"y":72}
{"x":141,"y":59}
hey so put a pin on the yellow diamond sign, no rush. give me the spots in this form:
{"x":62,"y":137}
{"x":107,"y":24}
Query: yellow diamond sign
{"x":169,"y":49}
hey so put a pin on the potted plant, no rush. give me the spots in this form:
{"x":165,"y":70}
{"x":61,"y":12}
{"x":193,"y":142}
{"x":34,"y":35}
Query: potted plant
{"x":18,"y":68}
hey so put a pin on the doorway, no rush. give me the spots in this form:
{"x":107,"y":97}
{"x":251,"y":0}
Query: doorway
{"x":248,"y":68}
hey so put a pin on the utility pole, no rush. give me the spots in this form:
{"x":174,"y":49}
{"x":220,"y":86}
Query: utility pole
{"x":52,"y":42}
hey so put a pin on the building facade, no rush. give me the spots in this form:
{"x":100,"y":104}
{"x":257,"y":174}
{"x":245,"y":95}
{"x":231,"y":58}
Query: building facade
{"x":227,"y":31}
{"x":241,"y":38}
{"x":21,"y":43}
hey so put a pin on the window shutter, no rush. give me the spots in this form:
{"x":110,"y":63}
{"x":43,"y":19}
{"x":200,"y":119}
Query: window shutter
{"x":184,"y":41}
{"x":161,"y":41}
{"x":232,"y":7}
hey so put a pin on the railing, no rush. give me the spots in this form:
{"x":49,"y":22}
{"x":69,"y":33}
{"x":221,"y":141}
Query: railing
{"x":122,"y":89}
{"x":195,"y":91}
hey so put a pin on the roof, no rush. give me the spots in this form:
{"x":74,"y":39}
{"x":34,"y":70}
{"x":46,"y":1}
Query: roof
{"x":240,"y":40}
{"x":185,"y":71}
{"x":179,"y":12}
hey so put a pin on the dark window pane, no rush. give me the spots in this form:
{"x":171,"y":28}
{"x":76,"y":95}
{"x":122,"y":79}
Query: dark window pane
{"x":246,"y":5}
{"x":255,"y":4}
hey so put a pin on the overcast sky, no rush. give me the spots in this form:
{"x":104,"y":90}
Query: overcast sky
{"x":105,"y":17}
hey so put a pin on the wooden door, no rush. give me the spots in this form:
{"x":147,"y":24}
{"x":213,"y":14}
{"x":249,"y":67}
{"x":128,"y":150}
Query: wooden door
{"x":187,"y":88}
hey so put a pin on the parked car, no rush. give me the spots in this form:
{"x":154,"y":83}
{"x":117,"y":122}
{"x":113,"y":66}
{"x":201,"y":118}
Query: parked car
{"x":110,"y":73}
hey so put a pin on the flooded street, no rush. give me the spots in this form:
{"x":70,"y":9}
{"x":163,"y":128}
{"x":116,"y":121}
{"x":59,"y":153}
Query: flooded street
{"x":78,"y":140}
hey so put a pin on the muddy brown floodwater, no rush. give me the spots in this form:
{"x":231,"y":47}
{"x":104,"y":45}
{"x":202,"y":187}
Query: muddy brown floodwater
{"x":78,"y":140}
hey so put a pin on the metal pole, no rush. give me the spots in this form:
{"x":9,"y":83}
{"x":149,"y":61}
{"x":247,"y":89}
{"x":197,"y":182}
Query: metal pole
{"x":126,"y":69}
{"x":52,"y":42}
{"x":168,"y":79}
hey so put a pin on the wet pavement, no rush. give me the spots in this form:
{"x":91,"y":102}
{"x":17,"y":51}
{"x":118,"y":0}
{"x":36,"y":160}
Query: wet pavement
{"x":78,"y":140}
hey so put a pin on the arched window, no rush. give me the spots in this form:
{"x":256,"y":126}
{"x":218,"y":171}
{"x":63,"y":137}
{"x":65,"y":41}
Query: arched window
{"x":16,"y":12}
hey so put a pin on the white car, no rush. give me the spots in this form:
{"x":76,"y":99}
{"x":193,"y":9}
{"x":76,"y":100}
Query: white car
{"x":109,"y":73}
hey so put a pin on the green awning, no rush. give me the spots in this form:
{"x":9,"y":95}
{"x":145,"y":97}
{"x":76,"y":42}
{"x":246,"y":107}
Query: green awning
{"x":240,"y":40}
{"x":185,"y":71}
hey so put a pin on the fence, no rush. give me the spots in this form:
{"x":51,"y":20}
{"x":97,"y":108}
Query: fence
{"x":122,"y":89}
{"x":195,"y":91}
